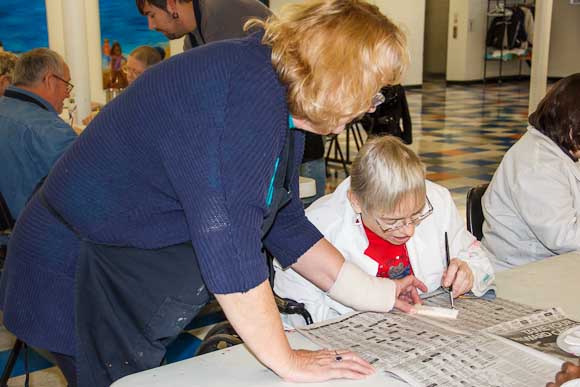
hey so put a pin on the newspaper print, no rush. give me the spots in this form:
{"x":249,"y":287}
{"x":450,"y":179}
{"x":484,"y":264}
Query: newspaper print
{"x":424,"y":353}
{"x":476,"y":314}
{"x":538,"y":331}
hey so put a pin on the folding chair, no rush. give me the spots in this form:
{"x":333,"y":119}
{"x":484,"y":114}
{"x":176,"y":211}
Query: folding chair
{"x":474,"y":211}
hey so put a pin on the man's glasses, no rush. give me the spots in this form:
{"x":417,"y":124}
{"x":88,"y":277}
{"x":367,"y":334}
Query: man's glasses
{"x":400,"y":223}
{"x":69,"y":86}
{"x":131,"y":71}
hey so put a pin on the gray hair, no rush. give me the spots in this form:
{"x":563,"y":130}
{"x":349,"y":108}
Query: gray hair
{"x":384,"y":172}
{"x":33,"y":65}
{"x":149,"y":56}
{"x":7,"y":63}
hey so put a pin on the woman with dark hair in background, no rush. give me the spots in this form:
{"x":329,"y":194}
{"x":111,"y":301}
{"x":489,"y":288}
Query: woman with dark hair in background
{"x":532,"y":205}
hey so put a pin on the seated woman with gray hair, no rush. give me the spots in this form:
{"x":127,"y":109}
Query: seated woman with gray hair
{"x":391,"y":222}
{"x":140,"y":59}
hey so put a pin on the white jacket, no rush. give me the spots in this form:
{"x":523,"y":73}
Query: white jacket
{"x":532,"y":205}
{"x":335,"y":218}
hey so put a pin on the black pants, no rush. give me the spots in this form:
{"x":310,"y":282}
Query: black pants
{"x":130,"y":304}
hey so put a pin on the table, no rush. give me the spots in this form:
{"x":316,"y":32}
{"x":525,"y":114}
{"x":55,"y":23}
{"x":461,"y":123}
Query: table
{"x":551,"y":282}
{"x":234,"y":366}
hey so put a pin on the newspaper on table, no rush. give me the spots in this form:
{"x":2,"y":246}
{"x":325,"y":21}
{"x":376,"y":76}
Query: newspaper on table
{"x":434,"y":352}
{"x":538,"y":331}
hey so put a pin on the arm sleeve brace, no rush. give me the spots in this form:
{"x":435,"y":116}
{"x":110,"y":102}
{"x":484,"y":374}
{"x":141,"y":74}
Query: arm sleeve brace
{"x":360,"y":291}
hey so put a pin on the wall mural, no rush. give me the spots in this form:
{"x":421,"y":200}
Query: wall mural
{"x":24,"y":28}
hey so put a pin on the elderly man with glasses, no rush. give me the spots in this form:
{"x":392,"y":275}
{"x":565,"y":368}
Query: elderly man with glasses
{"x":391,"y":222}
{"x":32,"y":135}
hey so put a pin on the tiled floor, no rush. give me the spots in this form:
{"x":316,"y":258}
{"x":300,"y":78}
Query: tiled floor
{"x":460,"y":132}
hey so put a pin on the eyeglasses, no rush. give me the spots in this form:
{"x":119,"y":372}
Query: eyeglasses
{"x":400,"y":223}
{"x":131,"y":71}
{"x":378,"y":99}
{"x":69,"y":86}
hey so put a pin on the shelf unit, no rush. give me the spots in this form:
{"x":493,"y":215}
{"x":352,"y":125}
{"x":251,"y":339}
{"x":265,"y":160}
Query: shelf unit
{"x":501,"y":9}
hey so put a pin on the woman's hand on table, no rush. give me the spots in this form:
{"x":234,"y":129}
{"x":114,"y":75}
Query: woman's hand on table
{"x":458,"y":275}
{"x":325,"y":364}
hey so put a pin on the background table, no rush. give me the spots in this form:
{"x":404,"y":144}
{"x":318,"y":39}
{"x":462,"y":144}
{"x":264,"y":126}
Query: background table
{"x":551,"y":282}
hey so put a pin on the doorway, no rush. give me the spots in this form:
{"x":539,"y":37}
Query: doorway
{"x":435,"y":39}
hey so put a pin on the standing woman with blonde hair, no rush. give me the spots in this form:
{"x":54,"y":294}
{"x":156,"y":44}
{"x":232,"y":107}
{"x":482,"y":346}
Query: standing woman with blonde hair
{"x":165,"y":199}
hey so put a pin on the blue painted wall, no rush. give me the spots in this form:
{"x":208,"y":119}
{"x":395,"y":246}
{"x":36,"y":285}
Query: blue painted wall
{"x":23,"y":25}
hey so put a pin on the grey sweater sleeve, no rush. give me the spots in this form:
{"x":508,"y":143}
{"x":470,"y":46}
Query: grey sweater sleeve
{"x":225,"y":19}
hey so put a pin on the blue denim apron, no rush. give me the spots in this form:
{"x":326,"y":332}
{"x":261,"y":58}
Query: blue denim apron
{"x":131,"y":302}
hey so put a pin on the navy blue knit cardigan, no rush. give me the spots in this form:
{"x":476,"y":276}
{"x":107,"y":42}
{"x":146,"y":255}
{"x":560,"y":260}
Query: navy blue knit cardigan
{"x":186,"y":153}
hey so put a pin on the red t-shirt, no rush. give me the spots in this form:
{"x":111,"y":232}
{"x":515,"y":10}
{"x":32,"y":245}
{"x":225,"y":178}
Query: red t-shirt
{"x":393,"y":259}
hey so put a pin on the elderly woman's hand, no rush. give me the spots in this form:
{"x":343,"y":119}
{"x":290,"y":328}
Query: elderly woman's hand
{"x":569,"y":372}
{"x":325,"y":364}
{"x":407,"y":294}
{"x":458,"y":275}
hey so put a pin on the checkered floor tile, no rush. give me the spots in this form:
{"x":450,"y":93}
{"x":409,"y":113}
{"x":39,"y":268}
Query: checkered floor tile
{"x":460,"y":132}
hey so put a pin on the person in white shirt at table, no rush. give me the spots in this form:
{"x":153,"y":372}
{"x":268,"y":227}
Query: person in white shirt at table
{"x":391,"y":222}
{"x":532,"y":205}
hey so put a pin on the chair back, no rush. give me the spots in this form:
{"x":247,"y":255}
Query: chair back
{"x":6,"y":220}
{"x":475,"y":211}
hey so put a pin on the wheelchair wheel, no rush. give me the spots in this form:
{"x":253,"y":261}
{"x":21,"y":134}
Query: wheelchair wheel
{"x":221,"y":328}
{"x":217,"y":342}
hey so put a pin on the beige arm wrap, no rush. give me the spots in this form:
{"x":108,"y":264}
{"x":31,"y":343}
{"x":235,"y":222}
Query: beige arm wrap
{"x":360,"y":291}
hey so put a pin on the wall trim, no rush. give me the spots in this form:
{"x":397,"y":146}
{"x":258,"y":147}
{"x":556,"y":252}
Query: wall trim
{"x":507,"y":78}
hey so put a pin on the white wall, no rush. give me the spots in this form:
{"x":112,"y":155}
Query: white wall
{"x":275,"y":5}
{"x":410,"y":15}
{"x":564,"y":39}
{"x":436,"y":26}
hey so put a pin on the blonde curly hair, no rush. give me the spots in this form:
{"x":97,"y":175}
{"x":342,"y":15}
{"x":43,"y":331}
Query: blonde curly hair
{"x":334,"y":56}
